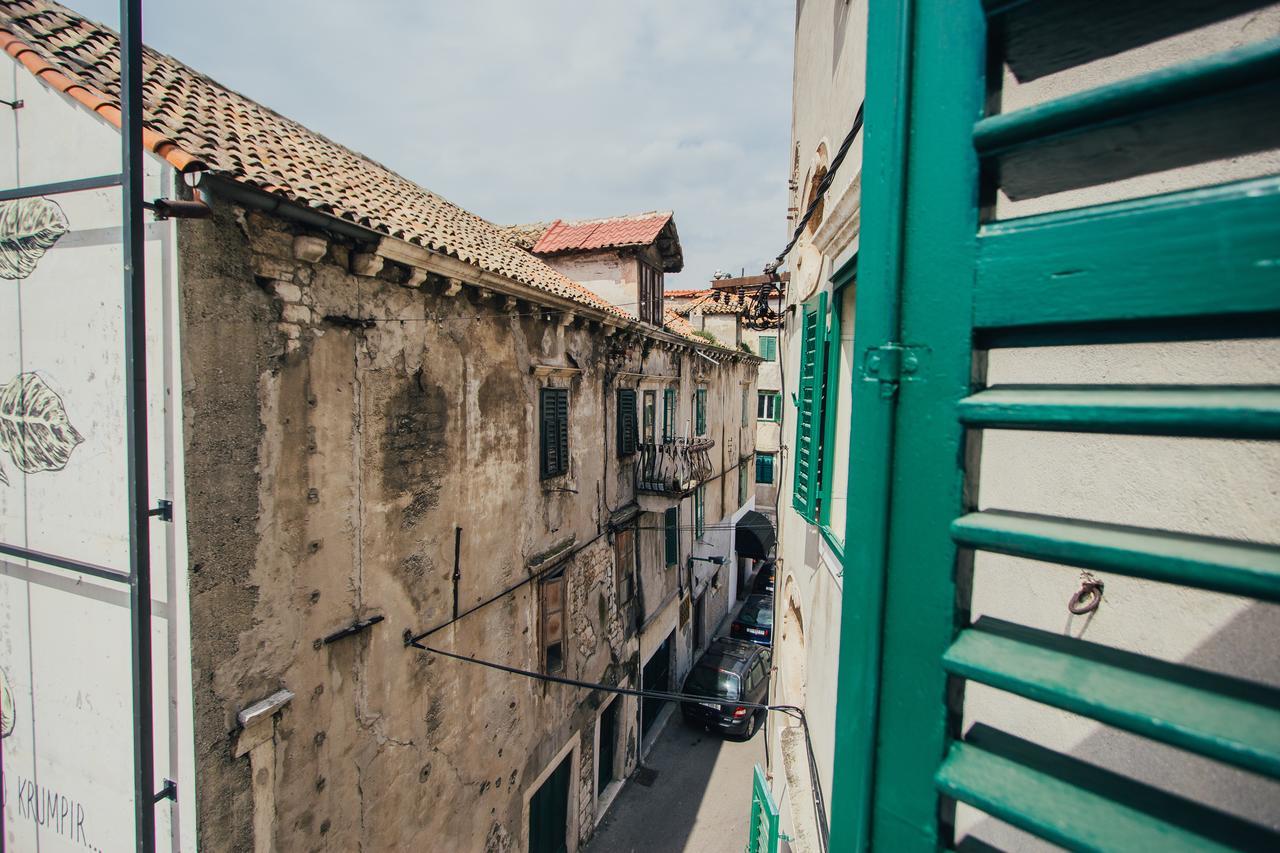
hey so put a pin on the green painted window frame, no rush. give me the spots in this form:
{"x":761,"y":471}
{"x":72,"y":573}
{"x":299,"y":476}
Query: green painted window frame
{"x":762,"y":408}
{"x":668,"y":414}
{"x":764,"y":469}
{"x":700,"y":410}
{"x":769,"y":347}
{"x":807,"y":474}
{"x":841,"y":290}
{"x":671,"y":534}
{"x":649,"y":417}
{"x":699,"y":511}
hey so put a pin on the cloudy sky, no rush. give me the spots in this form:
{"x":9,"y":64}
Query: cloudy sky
{"x":522,"y":110}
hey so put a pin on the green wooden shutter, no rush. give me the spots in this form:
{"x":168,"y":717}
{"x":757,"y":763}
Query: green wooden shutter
{"x":553,"y":404}
{"x":939,"y":287}
{"x":668,"y":414}
{"x":764,"y":468}
{"x":671,"y":523}
{"x":769,"y":347}
{"x":700,"y":411}
{"x":627,"y":427}
{"x":808,"y":470}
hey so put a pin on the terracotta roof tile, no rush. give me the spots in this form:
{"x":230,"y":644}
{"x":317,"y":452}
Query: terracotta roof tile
{"x":615,"y":232}
{"x":194,"y":122}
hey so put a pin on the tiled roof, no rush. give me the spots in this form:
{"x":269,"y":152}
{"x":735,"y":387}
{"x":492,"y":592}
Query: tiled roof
{"x":194,"y":123}
{"x":526,"y":235}
{"x":641,"y":229}
{"x":713,"y":302}
{"x":685,"y":294}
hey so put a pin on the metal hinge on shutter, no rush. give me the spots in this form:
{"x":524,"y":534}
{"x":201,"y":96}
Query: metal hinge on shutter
{"x":891,"y":364}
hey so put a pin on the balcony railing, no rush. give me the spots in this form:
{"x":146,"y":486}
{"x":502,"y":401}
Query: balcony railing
{"x":674,"y":467}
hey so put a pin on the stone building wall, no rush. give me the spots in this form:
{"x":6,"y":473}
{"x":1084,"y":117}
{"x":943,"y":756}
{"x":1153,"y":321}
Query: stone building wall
{"x":340,"y":428}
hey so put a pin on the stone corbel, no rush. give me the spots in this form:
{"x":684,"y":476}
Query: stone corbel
{"x":510,"y":304}
{"x":454,"y":288}
{"x":257,"y":739}
{"x":366,"y":264}
{"x":417,"y":276}
{"x":566,"y":318}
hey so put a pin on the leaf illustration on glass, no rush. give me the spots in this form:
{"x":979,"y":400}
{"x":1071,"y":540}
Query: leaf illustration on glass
{"x":34,"y":428}
{"x":28,"y":227}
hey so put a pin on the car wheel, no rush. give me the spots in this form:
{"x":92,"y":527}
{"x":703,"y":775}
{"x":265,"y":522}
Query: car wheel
{"x":751,"y":727}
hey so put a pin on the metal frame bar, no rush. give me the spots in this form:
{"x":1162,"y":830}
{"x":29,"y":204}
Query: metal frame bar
{"x":133,"y":175}
{"x":64,"y":563}
{"x":62,"y":187}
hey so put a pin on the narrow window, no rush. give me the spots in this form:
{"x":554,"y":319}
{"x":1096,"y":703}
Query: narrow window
{"x":627,"y":430}
{"x":669,"y":414}
{"x":700,"y":411}
{"x":769,"y":347}
{"x":764,"y":469}
{"x":649,"y":416}
{"x":553,"y":623}
{"x":767,"y":408}
{"x":699,"y":511}
{"x":671,"y":523}
{"x":554,"y":414}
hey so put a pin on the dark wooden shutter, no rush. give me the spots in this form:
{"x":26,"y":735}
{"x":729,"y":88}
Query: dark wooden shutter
{"x":628,"y":433}
{"x":554,"y":405}
{"x":671,"y":520}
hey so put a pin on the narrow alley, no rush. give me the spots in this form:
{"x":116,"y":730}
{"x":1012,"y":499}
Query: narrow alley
{"x":693,"y":792}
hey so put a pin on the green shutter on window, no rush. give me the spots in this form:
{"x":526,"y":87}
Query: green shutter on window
{"x":700,"y":411}
{"x":808,"y":471}
{"x":764,"y":468}
{"x":553,"y":404}
{"x":769,"y":347}
{"x":943,"y":281}
{"x":628,"y":433}
{"x":671,"y":521}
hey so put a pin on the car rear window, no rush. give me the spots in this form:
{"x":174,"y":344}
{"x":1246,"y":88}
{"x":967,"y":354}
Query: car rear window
{"x":757,"y":611}
{"x":712,"y":681}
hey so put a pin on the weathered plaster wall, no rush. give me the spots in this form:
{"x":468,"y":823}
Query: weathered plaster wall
{"x":606,"y":273}
{"x":341,"y":429}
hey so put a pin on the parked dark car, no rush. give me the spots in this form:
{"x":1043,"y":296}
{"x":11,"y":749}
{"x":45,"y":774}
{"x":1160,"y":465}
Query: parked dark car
{"x":754,"y":621}
{"x":729,"y":673}
{"x":763,"y":583}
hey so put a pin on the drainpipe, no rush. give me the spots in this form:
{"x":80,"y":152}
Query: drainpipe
{"x":279,"y":206}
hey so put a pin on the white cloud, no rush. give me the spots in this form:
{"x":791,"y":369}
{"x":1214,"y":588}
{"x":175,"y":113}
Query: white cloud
{"x":521,"y":111}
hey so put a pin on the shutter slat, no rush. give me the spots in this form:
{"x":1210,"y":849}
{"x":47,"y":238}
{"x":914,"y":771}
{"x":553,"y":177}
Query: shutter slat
{"x":1222,"y":565}
{"x":1080,"y":806}
{"x":1234,"y":721}
{"x":1202,"y":251}
{"x":1217,"y":411}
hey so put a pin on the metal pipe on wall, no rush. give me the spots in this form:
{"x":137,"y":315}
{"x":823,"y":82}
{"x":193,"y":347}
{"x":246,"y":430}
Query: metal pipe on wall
{"x":135,"y":358}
